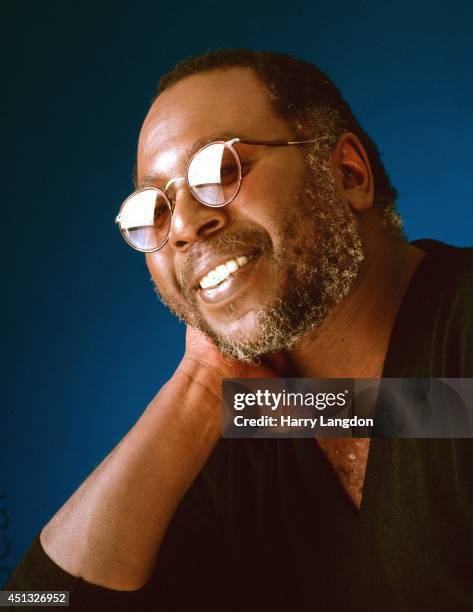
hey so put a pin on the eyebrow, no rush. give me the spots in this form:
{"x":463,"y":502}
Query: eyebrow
{"x":156,"y":177}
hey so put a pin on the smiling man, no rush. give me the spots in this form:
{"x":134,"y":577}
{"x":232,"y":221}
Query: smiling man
{"x":291,"y":219}
{"x":269,"y":227}
{"x":256,"y":308}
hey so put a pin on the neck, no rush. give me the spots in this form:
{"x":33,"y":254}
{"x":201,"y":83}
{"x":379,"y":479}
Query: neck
{"x":352,"y":340}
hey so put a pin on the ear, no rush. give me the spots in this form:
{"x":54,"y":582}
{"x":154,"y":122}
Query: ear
{"x":352,"y":170}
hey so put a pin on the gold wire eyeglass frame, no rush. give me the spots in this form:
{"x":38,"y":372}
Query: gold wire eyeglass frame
{"x":163,"y":192}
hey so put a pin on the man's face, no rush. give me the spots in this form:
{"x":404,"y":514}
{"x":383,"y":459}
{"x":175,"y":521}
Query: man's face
{"x":300,"y":242}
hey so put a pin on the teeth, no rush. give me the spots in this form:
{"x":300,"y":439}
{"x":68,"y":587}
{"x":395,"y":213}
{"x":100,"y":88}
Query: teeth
{"x":221,"y":272}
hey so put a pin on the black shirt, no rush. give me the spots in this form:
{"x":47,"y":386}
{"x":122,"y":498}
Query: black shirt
{"x":267,"y":526}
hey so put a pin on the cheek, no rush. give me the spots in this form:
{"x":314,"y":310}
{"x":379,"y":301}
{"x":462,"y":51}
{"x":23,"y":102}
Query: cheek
{"x":161,"y":271}
{"x":270,"y":196}
{"x":161,"y":274}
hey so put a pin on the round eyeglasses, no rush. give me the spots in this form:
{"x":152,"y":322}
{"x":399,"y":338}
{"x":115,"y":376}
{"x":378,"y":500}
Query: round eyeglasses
{"x":214,"y":178}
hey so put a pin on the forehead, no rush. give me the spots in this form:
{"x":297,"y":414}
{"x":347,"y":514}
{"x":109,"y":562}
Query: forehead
{"x":233,"y":101}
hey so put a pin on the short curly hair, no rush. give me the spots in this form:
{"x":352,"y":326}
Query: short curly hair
{"x":304,"y":96}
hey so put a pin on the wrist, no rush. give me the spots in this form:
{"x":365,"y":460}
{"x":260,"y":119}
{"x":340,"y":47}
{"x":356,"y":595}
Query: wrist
{"x":193,"y":395}
{"x":208,"y":376}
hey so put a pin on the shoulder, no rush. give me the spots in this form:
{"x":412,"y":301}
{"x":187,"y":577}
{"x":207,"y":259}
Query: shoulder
{"x":447,"y":273}
{"x":433,"y":334}
{"x":447,"y":255}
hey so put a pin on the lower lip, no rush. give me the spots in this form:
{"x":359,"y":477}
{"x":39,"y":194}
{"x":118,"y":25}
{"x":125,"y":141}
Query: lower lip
{"x":232,"y":286}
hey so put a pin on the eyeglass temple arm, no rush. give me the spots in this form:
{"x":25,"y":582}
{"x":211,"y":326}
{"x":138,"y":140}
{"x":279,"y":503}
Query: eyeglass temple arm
{"x":278,"y":143}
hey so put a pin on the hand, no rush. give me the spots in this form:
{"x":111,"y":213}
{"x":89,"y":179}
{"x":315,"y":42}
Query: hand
{"x":214,"y":367}
{"x":200,"y":349}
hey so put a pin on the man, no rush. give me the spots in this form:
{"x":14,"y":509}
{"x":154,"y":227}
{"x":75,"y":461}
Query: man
{"x":289,"y":260}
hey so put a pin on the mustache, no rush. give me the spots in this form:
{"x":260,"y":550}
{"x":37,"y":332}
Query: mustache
{"x":230,"y":244}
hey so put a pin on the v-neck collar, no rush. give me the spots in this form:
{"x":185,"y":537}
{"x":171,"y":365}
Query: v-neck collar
{"x":379,"y":448}
{"x":379,"y":452}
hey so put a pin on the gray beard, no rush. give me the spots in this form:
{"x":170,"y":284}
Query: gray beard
{"x":316,"y":267}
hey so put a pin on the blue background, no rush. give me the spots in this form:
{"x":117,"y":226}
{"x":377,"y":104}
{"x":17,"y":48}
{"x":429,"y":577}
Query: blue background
{"x":87,"y":342}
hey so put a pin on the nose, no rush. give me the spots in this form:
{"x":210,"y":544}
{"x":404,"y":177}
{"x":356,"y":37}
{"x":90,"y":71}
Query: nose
{"x":192,"y":220}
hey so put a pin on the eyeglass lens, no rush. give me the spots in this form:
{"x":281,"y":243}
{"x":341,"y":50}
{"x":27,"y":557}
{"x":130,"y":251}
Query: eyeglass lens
{"x":145,"y":219}
{"x":213,"y":176}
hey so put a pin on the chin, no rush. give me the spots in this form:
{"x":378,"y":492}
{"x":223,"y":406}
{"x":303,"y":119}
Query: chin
{"x":236,"y":327}
{"x":245,"y":339}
